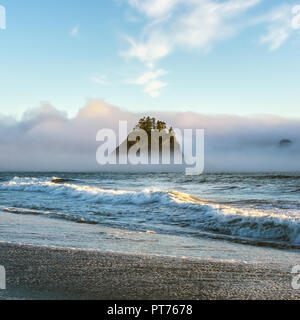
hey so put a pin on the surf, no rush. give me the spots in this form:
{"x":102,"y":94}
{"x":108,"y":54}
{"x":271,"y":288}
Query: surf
{"x":182,"y":212}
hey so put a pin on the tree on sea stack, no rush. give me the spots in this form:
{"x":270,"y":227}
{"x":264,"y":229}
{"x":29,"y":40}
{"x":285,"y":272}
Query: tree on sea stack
{"x":151,"y":125}
{"x":148,"y":124}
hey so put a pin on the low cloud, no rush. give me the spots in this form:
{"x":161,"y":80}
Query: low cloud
{"x":46,"y":139}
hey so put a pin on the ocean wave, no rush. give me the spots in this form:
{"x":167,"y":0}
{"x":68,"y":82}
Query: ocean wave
{"x":47,"y":213}
{"x":275,"y":176}
{"x":84,"y":192}
{"x":178,"y":209}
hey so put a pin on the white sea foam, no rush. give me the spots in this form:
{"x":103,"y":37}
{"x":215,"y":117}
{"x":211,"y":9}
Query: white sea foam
{"x":196,"y":214}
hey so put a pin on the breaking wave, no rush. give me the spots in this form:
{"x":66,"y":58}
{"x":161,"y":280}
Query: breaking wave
{"x":176,"y":208}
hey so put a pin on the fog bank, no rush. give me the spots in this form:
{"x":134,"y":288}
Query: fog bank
{"x":46,"y":139}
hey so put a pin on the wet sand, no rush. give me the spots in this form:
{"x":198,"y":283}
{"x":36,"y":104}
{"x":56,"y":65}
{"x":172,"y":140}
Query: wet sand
{"x":43,"y":273}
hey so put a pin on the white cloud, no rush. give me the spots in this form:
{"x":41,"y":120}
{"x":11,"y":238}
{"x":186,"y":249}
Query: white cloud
{"x":210,"y":21}
{"x":149,"y":80}
{"x":283,"y":22}
{"x":154,"y":8}
{"x":275,"y":37}
{"x":75,"y":31}
{"x":153,"y":88}
{"x":198,"y":24}
{"x":100,"y":79}
{"x":151,"y":75}
{"x":149,"y":52}
{"x":296,"y":19}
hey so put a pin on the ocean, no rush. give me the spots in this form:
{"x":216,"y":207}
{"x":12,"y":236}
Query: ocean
{"x":250,"y":218}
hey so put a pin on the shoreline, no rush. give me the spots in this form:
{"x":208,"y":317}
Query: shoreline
{"x":57,"y":273}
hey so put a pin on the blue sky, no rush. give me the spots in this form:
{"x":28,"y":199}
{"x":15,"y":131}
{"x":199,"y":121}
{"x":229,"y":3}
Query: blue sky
{"x":217,"y":57}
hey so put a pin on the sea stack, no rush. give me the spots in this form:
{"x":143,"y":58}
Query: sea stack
{"x":284,"y":143}
{"x":166,"y":139}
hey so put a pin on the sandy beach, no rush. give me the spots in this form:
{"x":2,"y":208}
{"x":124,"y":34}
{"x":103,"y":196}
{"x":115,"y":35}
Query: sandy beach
{"x":43,"y":273}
